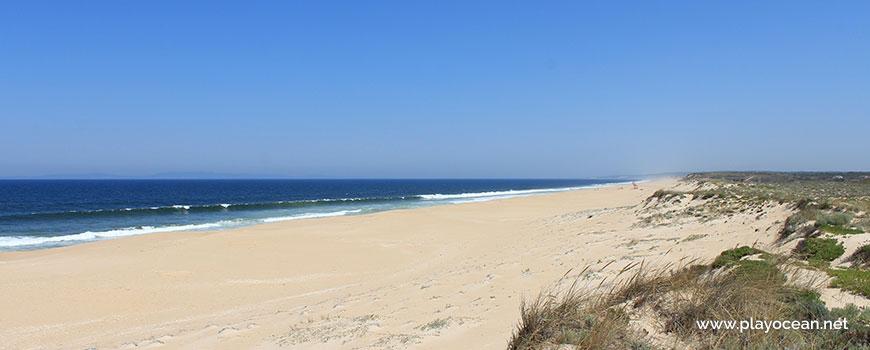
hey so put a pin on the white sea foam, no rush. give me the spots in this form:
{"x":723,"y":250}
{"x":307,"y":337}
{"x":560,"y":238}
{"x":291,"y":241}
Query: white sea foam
{"x":484,"y":196}
{"x":14,"y":241}
{"x":311,"y":215}
{"x":439,"y":196}
{"x":17,"y":241}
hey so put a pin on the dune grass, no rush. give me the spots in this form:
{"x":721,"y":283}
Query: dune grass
{"x":605,"y":317}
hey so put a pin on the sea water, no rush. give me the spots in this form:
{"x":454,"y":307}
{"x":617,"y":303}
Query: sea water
{"x":38,"y":214}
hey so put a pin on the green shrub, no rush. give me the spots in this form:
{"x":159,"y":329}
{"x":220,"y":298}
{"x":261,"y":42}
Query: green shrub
{"x":732,"y":256}
{"x":826,"y":249}
{"x":838,"y":219}
{"x":853,"y":280}
{"x":859,"y":320}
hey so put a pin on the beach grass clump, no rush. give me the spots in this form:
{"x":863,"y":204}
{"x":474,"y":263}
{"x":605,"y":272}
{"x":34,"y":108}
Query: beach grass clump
{"x":836,"y":219}
{"x":605,"y":317}
{"x":824,"y":249}
{"x":854,"y":280}
{"x":839,"y":230}
{"x":575,"y":318}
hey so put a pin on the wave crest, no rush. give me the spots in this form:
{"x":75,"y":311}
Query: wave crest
{"x":17,"y":241}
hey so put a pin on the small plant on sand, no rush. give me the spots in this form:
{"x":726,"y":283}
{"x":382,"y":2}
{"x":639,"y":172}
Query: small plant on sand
{"x":435,"y":324}
{"x":825,"y":249}
{"x":853,"y":280}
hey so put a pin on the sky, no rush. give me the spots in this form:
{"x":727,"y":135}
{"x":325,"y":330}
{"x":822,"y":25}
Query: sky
{"x":432,"y":89}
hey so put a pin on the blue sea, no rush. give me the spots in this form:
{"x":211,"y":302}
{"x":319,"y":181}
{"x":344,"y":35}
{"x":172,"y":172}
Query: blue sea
{"x":38,"y":214}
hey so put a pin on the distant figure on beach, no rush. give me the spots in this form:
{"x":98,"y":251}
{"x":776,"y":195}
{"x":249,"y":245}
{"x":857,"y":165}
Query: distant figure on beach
{"x":634,"y":184}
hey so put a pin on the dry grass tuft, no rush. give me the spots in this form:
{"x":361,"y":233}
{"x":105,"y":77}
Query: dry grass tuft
{"x":575,"y":317}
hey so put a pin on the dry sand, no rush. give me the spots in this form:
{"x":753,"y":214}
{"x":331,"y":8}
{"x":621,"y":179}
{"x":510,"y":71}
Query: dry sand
{"x":446,"y":277}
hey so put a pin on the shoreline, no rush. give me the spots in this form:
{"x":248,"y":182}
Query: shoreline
{"x":433,"y":277}
{"x":110,"y":234}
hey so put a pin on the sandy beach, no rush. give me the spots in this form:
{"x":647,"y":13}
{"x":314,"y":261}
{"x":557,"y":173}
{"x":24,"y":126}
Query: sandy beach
{"x":445,"y":277}
{"x":452,"y":175}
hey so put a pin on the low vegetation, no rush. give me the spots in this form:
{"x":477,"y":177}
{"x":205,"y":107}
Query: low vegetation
{"x":825,"y":249}
{"x":834,"y":219}
{"x":733,"y":256}
{"x":837,"y":230}
{"x":854,"y":280}
{"x":789,"y":187}
{"x":740,"y":288}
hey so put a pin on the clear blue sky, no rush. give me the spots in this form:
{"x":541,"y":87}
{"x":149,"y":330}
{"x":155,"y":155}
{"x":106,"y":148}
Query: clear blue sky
{"x":433,"y":88}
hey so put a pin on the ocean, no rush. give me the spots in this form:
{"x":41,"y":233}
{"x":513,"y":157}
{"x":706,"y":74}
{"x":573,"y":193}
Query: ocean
{"x":39,"y":214}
